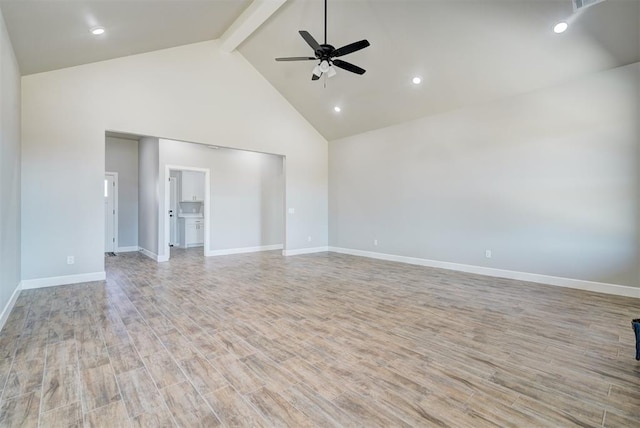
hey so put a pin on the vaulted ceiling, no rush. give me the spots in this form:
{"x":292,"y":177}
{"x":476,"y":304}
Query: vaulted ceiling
{"x":466,"y":51}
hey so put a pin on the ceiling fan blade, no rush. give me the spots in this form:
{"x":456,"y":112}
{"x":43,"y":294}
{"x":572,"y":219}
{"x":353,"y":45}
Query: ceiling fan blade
{"x":355,"y":46}
{"x":310,"y":40}
{"x":348,"y":66}
{"x":315,"y":76}
{"x":296,"y":58}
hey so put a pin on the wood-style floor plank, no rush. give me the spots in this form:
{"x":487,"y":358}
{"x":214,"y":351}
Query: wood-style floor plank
{"x":113,"y":414}
{"x":139,"y":393}
{"x":314,"y":340}
{"x":66,"y":416}
{"x":188,"y":407}
{"x":232,"y":409}
{"x":20,"y":411}
{"x":25,"y":376}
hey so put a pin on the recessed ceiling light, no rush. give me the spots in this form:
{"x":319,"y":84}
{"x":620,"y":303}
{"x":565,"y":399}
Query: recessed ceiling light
{"x":416,"y":80}
{"x":337,"y":109}
{"x":96,"y":31}
{"x":560,"y":27}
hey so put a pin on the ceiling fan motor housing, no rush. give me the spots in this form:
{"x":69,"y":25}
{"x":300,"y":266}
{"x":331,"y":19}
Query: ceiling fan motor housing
{"x":324,"y":53}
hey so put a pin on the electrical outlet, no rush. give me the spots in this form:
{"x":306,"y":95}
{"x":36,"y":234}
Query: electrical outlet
{"x":309,"y":238}
{"x":375,"y":242}
{"x":487,"y":254}
{"x":70,"y":260}
{"x":292,"y":210}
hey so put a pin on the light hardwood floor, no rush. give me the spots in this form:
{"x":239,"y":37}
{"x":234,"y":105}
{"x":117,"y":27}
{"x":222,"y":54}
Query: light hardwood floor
{"x":315,"y":340}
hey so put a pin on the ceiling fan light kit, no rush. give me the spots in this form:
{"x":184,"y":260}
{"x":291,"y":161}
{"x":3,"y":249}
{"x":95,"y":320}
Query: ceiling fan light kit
{"x":326,"y":54}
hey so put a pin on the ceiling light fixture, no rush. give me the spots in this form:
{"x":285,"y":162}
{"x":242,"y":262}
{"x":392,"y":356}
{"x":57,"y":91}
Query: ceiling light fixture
{"x":324,"y":67}
{"x":560,"y":27}
{"x":416,"y":80}
{"x":337,"y":109}
{"x":96,"y":31}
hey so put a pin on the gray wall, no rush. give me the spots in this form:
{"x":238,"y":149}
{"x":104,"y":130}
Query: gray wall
{"x":547,"y":180}
{"x":247,"y":199}
{"x":271,"y":194}
{"x":192,"y":93}
{"x":9,"y":169}
{"x":121,"y":156}
{"x":246,"y":193}
{"x":148,"y":197}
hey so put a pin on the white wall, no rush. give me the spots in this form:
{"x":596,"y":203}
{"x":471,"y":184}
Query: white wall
{"x":9,"y":172}
{"x":271,"y":226}
{"x":121,"y":156}
{"x":547,"y":180}
{"x":190,"y":93}
{"x":148,"y":194}
{"x":246,"y":193}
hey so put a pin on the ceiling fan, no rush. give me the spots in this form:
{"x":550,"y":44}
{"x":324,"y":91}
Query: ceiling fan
{"x":327,"y":54}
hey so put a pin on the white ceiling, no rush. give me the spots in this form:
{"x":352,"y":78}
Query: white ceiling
{"x":467,"y":51}
{"x":52,"y":34}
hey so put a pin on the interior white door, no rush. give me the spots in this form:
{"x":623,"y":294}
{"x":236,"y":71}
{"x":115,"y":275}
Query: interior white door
{"x":109,"y":214}
{"x":173,"y":211}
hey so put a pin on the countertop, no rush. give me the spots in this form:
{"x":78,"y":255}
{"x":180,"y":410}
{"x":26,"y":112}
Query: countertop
{"x":190,"y":215}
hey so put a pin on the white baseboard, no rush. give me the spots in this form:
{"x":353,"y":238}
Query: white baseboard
{"x":243,"y":250}
{"x":149,"y":254}
{"x":9,"y":306}
{"x":127,"y":249}
{"x":305,"y":251}
{"x":154,"y":256}
{"x":599,"y":287}
{"x":28,"y":284}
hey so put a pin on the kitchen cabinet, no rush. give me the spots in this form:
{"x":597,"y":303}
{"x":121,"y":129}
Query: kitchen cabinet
{"x":193,"y":232}
{"x":192,"y":186}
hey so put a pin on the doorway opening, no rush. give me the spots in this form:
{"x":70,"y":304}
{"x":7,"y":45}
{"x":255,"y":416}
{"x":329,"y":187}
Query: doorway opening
{"x":187,"y":200}
{"x":241,"y":210}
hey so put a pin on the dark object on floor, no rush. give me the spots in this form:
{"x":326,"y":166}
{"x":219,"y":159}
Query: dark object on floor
{"x":110,"y":254}
{"x":636,"y":329}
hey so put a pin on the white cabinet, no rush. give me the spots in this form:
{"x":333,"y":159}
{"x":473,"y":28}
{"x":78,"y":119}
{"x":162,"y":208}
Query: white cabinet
{"x":192,"y":187}
{"x":193,"y":232}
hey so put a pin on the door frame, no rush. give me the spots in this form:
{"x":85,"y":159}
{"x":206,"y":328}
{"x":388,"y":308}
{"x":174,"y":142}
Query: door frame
{"x":173,"y":182}
{"x":167,"y":201}
{"x":115,"y":208}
